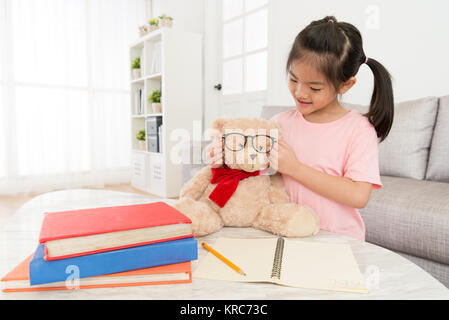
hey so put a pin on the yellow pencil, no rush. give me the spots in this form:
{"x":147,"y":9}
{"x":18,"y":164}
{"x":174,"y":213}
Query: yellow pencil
{"x":219,"y":256}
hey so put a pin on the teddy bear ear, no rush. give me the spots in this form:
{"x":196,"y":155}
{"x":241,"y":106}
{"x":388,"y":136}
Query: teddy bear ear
{"x":217,"y":127}
{"x":275,"y":123}
{"x":277,"y":126}
{"x":219,"y":123}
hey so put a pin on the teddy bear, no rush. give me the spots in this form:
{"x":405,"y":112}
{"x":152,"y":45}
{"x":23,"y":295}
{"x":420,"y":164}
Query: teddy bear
{"x":244,"y":192}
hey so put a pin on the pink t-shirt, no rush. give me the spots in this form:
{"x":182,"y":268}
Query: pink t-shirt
{"x":346,"y":147}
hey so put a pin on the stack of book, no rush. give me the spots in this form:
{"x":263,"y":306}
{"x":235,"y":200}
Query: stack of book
{"x":108,"y":247}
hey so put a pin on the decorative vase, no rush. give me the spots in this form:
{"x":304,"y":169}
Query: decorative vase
{"x":142,"y":145}
{"x":143,"y":30}
{"x":166,"y":23}
{"x":157,"y":107}
{"x":136,"y":74}
{"x":153,"y":27}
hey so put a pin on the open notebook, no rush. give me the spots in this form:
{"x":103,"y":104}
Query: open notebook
{"x":289,"y":262}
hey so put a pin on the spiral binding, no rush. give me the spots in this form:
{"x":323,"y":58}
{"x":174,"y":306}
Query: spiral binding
{"x":277,"y":263}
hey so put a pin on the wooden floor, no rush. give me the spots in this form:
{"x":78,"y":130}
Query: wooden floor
{"x":10,"y":204}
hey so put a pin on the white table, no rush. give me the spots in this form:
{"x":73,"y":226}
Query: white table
{"x":398,"y":278}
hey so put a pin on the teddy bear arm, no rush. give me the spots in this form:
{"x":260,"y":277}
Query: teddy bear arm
{"x":196,"y":186}
{"x":277,"y":193}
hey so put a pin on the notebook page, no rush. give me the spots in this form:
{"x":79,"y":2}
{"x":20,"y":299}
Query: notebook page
{"x":253,"y":256}
{"x":321,"y":266}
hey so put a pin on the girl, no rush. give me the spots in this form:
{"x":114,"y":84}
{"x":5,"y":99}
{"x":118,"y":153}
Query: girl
{"x":328,"y":155}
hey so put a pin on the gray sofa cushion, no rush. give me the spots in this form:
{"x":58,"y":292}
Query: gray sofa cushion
{"x":405,"y":151}
{"x":438,"y":166}
{"x":411,"y":216}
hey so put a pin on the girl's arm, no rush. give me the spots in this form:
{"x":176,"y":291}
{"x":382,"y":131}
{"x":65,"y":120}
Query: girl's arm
{"x":340,"y":189}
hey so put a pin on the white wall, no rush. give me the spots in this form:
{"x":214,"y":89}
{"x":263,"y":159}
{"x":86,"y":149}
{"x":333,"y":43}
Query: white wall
{"x":411,"y":40}
{"x":188,"y":14}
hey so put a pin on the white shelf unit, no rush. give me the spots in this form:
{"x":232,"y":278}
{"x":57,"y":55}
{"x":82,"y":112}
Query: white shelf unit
{"x":180,"y":80}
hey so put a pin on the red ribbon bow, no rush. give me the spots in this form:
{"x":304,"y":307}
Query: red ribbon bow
{"x":228,"y":181}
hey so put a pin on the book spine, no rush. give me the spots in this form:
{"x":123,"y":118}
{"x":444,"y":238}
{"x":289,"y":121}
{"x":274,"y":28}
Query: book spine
{"x":277,"y":262}
{"x":140,"y":101}
{"x":79,"y":254}
{"x":146,"y":256}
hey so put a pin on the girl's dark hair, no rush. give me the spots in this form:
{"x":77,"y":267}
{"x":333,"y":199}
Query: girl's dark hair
{"x":335,"y":48}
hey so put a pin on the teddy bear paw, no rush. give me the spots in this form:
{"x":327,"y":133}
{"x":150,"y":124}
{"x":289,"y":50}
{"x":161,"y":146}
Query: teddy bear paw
{"x":288,"y":220}
{"x":303,"y":223}
{"x":204,"y":219}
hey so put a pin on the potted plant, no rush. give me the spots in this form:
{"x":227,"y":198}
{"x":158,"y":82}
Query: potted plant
{"x":140,"y":136}
{"x":166,"y":21}
{"x":154,"y":24}
{"x":135,"y":66}
{"x":155,"y":99}
{"x":143,"y":30}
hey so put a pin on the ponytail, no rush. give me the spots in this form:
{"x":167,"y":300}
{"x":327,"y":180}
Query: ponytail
{"x":336,"y":50}
{"x":381,"y":109}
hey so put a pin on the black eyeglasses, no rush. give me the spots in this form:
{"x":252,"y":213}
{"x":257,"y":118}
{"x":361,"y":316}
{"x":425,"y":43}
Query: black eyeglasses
{"x":235,"y":141}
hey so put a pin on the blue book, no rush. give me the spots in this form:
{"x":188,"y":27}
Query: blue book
{"x":150,"y":255}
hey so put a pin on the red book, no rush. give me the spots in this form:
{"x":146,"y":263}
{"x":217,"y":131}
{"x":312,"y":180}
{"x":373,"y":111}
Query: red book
{"x":74,"y":233}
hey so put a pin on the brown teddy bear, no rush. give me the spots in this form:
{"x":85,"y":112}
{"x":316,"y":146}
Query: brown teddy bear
{"x":241,"y":193}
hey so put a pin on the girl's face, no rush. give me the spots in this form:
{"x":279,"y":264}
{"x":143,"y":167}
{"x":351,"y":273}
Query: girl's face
{"x":310,"y":89}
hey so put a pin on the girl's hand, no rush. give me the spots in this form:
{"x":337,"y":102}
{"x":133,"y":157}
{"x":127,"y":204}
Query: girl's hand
{"x":283,"y":158}
{"x":214,"y":153}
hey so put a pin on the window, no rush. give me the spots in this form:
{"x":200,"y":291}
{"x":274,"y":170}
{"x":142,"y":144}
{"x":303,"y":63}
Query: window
{"x":244,"y":48}
{"x":64,"y":92}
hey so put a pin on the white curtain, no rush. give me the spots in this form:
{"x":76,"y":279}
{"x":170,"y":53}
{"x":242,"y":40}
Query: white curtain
{"x":64,"y":92}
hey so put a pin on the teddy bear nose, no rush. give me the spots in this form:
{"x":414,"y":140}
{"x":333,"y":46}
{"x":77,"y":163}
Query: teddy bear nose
{"x":253,"y":156}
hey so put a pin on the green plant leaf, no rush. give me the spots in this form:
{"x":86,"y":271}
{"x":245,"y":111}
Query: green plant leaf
{"x":140,"y":135}
{"x":135,"y":64}
{"x":155,"y":96}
